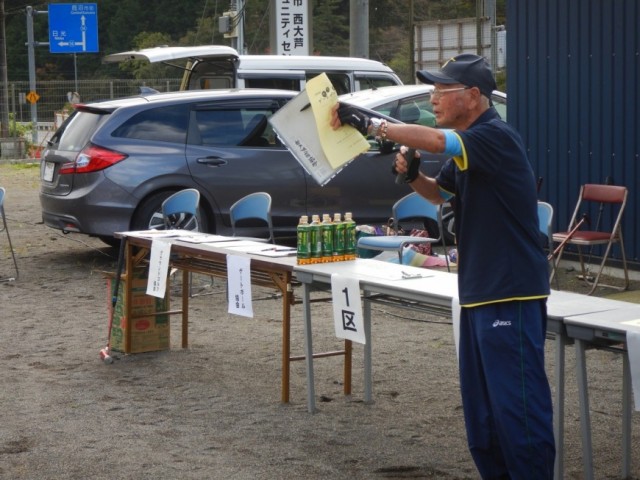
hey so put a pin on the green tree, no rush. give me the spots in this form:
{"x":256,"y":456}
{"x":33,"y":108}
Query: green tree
{"x":331,"y":28}
{"x":142,"y":69}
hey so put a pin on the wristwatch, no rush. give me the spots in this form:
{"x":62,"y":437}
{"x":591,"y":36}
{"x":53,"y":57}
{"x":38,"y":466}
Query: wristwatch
{"x":376,"y":123}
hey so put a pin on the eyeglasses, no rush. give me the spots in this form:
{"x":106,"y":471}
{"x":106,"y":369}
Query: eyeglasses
{"x":437,"y":93}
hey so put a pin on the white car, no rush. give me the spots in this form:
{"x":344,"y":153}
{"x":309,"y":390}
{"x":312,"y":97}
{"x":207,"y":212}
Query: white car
{"x":409,"y":103}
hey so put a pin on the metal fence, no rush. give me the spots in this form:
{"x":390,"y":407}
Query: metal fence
{"x":53,"y":95}
{"x":53,"y":105}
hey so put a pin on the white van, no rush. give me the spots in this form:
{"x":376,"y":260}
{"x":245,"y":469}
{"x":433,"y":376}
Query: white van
{"x":219,"y":66}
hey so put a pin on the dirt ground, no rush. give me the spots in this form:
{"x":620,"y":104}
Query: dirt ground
{"x":213,"y":411}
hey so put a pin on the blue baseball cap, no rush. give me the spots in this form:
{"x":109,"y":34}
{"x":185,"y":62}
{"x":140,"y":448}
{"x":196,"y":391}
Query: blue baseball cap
{"x":467,"y":69}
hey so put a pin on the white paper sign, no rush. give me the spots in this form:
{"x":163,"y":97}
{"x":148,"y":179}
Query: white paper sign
{"x":633,"y":349}
{"x":239,"y":285}
{"x":293,"y":34}
{"x":347,"y":308}
{"x":158,"y":268}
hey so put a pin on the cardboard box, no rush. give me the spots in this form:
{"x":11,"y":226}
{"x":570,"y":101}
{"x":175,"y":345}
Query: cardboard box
{"x":149,"y":332}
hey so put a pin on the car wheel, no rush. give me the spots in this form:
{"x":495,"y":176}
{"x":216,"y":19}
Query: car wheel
{"x":149,"y":213}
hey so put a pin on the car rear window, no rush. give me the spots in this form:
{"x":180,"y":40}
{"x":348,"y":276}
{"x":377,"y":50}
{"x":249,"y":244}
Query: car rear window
{"x":163,"y":124}
{"x":82,"y":124}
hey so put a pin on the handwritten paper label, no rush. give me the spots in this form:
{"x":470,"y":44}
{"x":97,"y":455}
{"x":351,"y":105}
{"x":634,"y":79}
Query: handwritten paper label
{"x":239,"y":285}
{"x":158,"y":268}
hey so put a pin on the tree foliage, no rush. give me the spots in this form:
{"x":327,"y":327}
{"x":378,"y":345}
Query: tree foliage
{"x":131,"y":24}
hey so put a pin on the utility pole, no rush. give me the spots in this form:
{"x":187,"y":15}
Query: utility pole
{"x":412,"y":42}
{"x":4,"y":98}
{"x":490,"y":11}
{"x":237,"y":41}
{"x":487,"y":9}
{"x":359,"y":28}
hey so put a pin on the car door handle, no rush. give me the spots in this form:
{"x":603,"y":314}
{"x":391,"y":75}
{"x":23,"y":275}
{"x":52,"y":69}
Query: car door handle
{"x":213,"y":161}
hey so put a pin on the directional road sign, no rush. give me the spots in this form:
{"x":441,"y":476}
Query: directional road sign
{"x":73,"y":27}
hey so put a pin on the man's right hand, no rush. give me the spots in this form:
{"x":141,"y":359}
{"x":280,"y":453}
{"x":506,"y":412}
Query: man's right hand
{"x":349,"y":115}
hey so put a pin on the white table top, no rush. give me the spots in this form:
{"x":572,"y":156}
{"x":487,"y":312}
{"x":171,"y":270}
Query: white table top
{"x":562,"y":304}
{"x":621,"y":320}
{"x":412,"y":283}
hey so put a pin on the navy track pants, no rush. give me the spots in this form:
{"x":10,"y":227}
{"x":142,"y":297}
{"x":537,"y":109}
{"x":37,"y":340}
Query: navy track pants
{"x":505,"y":391}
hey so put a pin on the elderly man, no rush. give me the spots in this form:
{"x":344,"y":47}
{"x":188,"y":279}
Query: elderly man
{"x":502,"y":269}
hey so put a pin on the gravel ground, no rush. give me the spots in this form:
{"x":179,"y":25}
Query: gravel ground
{"x":213,"y":410}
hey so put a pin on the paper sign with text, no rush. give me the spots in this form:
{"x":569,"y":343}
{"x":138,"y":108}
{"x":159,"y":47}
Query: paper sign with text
{"x":347,"y":308}
{"x":158,"y":268}
{"x":239,"y":285}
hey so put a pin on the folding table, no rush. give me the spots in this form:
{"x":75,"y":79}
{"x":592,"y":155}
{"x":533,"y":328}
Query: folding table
{"x":606,"y":330}
{"x":209,"y":259}
{"x":417,"y":287}
{"x":560,"y":305}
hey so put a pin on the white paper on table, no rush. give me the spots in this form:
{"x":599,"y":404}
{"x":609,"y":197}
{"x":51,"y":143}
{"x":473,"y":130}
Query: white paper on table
{"x":158,"y":267}
{"x":152,"y":233}
{"x":347,"y":308}
{"x":203,"y":238}
{"x":633,"y":349}
{"x":239,"y":285}
{"x":455,"y":316}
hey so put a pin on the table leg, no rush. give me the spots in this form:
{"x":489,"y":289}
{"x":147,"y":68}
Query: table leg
{"x":186,"y":286}
{"x":348,"y":352}
{"x":558,"y":417}
{"x":626,"y":416}
{"x":366,"y":312}
{"x":308,"y":347}
{"x":286,"y":342}
{"x":128,"y":293}
{"x":585,"y":418}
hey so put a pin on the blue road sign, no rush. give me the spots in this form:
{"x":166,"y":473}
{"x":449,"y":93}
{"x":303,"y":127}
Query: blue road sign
{"x":73,"y":27}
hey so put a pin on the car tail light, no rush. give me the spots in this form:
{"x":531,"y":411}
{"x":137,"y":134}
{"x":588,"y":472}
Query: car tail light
{"x":92,"y":159}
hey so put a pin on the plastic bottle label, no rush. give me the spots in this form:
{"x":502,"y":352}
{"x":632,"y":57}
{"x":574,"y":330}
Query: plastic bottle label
{"x":304,"y":244}
{"x":327,"y":242}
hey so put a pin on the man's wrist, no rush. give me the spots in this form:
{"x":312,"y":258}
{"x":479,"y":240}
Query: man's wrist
{"x":378,"y":128}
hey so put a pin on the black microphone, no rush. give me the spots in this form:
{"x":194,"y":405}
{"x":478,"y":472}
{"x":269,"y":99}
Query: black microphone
{"x":410,"y":155}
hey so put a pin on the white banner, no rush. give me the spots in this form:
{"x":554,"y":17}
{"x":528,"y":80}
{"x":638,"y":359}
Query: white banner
{"x":293,"y":36}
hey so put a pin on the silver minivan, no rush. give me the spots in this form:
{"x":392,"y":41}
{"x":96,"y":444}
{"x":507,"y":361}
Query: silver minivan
{"x":219,"y":66}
